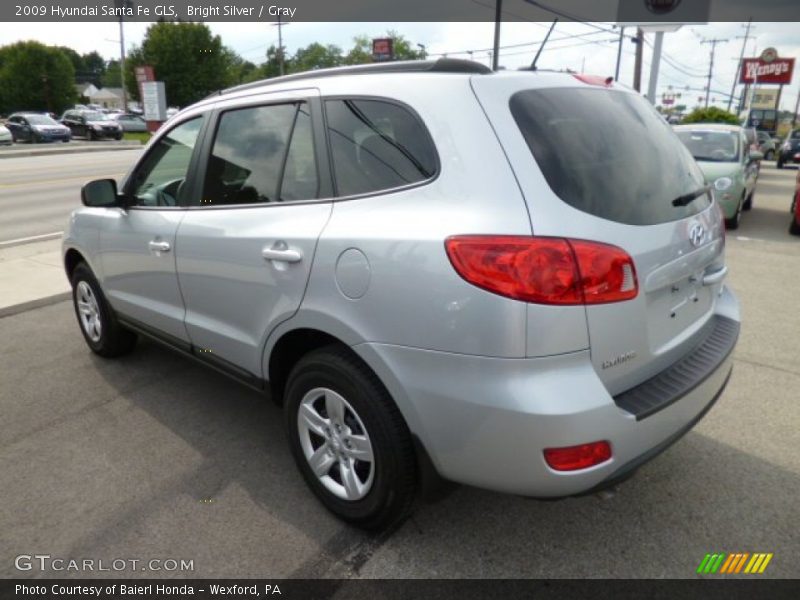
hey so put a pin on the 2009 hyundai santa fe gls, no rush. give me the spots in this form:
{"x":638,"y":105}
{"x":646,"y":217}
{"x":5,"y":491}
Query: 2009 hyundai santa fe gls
{"x":511,"y":280}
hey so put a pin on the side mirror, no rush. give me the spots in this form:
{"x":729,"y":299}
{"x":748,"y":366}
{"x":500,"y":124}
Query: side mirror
{"x":100,"y":193}
{"x":756,"y":155}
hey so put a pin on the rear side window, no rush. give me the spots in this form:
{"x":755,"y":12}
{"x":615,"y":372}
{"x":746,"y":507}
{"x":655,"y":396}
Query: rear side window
{"x":377,"y":145}
{"x":253,"y":160}
{"x":608,"y":154}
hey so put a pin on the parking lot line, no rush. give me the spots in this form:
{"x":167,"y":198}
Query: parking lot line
{"x":32,"y":238}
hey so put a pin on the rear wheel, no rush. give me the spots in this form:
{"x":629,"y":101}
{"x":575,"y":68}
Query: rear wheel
{"x":99,"y":326}
{"x":794,"y":228}
{"x":779,"y":164}
{"x":349,"y":439}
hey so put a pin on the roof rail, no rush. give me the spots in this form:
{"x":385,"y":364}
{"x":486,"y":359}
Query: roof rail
{"x":442,"y":65}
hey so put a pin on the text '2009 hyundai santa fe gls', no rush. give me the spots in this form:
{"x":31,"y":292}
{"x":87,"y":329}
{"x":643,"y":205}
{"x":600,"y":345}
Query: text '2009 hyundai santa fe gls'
{"x":511,"y":280}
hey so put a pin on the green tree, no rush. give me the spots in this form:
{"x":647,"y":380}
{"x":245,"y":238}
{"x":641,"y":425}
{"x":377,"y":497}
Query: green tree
{"x":112,"y":76}
{"x":712,"y":114}
{"x":35,"y":77}
{"x":94,"y":67}
{"x":190,"y":61}
{"x":316,"y":56}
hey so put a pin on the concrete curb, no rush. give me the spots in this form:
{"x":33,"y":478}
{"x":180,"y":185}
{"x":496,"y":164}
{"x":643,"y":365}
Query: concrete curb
{"x":67,"y":150}
{"x":9,"y":311}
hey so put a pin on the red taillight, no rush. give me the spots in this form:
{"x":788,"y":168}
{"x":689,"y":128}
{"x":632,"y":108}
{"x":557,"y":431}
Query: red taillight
{"x":574,"y":458}
{"x":544,"y":270}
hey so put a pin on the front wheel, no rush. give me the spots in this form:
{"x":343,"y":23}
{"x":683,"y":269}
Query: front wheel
{"x":99,"y":326}
{"x":748,"y":204}
{"x":349,"y":439}
{"x":735,"y":220}
{"x":794,"y":228}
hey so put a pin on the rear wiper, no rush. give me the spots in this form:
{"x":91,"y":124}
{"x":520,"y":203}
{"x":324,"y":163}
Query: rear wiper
{"x":687,"y":198}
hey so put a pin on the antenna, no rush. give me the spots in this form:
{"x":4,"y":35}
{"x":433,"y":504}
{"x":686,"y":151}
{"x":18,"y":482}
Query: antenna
{"x":544,"y":41}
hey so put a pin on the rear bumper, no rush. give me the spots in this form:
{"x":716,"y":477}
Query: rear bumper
{"x":486,"y":421}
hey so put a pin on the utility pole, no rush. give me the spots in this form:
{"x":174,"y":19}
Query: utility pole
{"x":713,"y":43}
{"x":123,"y":4}
{"x":619,"y":52}
{"x":654,"y":64}
{"x":741,"y":58}
{"x":796,"y":108}
{"x":498,"y":16}
{"x":122,"y":66}
{"x":280,"y":24}
{"x":637,"y":65}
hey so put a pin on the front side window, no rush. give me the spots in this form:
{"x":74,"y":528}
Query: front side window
{"x":159,"y":180}
{"x":253,"y":161}
{"x":377,"y":145}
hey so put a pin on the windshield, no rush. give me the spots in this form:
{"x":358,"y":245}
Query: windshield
{"x":40,"y":120}
{"x":95,"y":116}
{"x":609,"y":154}
{"x":714,"y":146}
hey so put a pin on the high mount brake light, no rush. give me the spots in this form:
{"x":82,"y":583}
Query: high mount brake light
{"x":594,"y":79}
{"x":545,"y":270}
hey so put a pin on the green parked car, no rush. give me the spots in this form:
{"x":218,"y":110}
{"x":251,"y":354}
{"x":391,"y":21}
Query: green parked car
{"x":727,"y":162}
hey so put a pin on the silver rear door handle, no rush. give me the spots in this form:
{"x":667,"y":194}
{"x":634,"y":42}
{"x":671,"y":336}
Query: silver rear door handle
{"x":158,"y":246}
{"x":289,"y":255}
{"x":715,"y":277}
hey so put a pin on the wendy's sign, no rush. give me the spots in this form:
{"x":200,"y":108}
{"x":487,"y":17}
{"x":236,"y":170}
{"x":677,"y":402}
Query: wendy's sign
{"x":767,"y":68}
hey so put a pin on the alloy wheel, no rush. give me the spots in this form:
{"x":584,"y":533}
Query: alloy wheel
{"x":336,"y":444}
{"x":89,"y":311}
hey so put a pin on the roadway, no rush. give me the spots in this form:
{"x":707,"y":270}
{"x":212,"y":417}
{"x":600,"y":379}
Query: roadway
{"x":152,"y":456}
{"x":37,"y":193}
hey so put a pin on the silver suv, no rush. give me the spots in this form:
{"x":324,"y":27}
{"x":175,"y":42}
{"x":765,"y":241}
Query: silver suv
{"x":511,"y":280}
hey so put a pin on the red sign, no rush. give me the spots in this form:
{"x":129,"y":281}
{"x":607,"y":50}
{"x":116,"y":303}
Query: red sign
{"x":382,"y":49}
{"x":757,"y":70}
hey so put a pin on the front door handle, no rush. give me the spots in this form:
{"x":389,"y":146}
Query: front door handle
{"x":158,"y":246}
{"x":289,"y":255}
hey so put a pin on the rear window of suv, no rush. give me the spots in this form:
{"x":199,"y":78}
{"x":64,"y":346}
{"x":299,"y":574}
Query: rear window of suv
{"x":609,"y":154}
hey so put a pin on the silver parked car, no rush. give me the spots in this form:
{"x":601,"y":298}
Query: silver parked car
{"x":441,"y":272}
{"x":129,"y":122}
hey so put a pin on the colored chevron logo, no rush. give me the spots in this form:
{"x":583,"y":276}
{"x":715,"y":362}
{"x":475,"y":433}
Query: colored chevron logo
{"x":734,"y":563}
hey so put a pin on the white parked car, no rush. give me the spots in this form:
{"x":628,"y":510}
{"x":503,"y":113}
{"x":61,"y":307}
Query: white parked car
{"x":5,"y":136}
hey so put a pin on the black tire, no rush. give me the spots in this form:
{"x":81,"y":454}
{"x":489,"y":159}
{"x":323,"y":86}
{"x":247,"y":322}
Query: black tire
{"x":779,"y":164}
{"x":114,"y":340}
{"x":735,"y":220}
{"x":394,"y":479}
{"x":90,"y":135}
{"x":748,"y":204}
{"x":794,"y":228}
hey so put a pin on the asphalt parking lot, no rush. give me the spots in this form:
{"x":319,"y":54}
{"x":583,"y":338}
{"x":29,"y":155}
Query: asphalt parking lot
{"x":153,"y":456}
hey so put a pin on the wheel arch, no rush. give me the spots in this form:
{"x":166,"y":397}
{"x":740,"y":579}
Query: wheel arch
{"x":72,"y":258}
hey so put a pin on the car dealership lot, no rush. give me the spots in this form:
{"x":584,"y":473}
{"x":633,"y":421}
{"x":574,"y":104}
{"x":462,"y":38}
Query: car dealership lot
{"x":153,"y":456}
